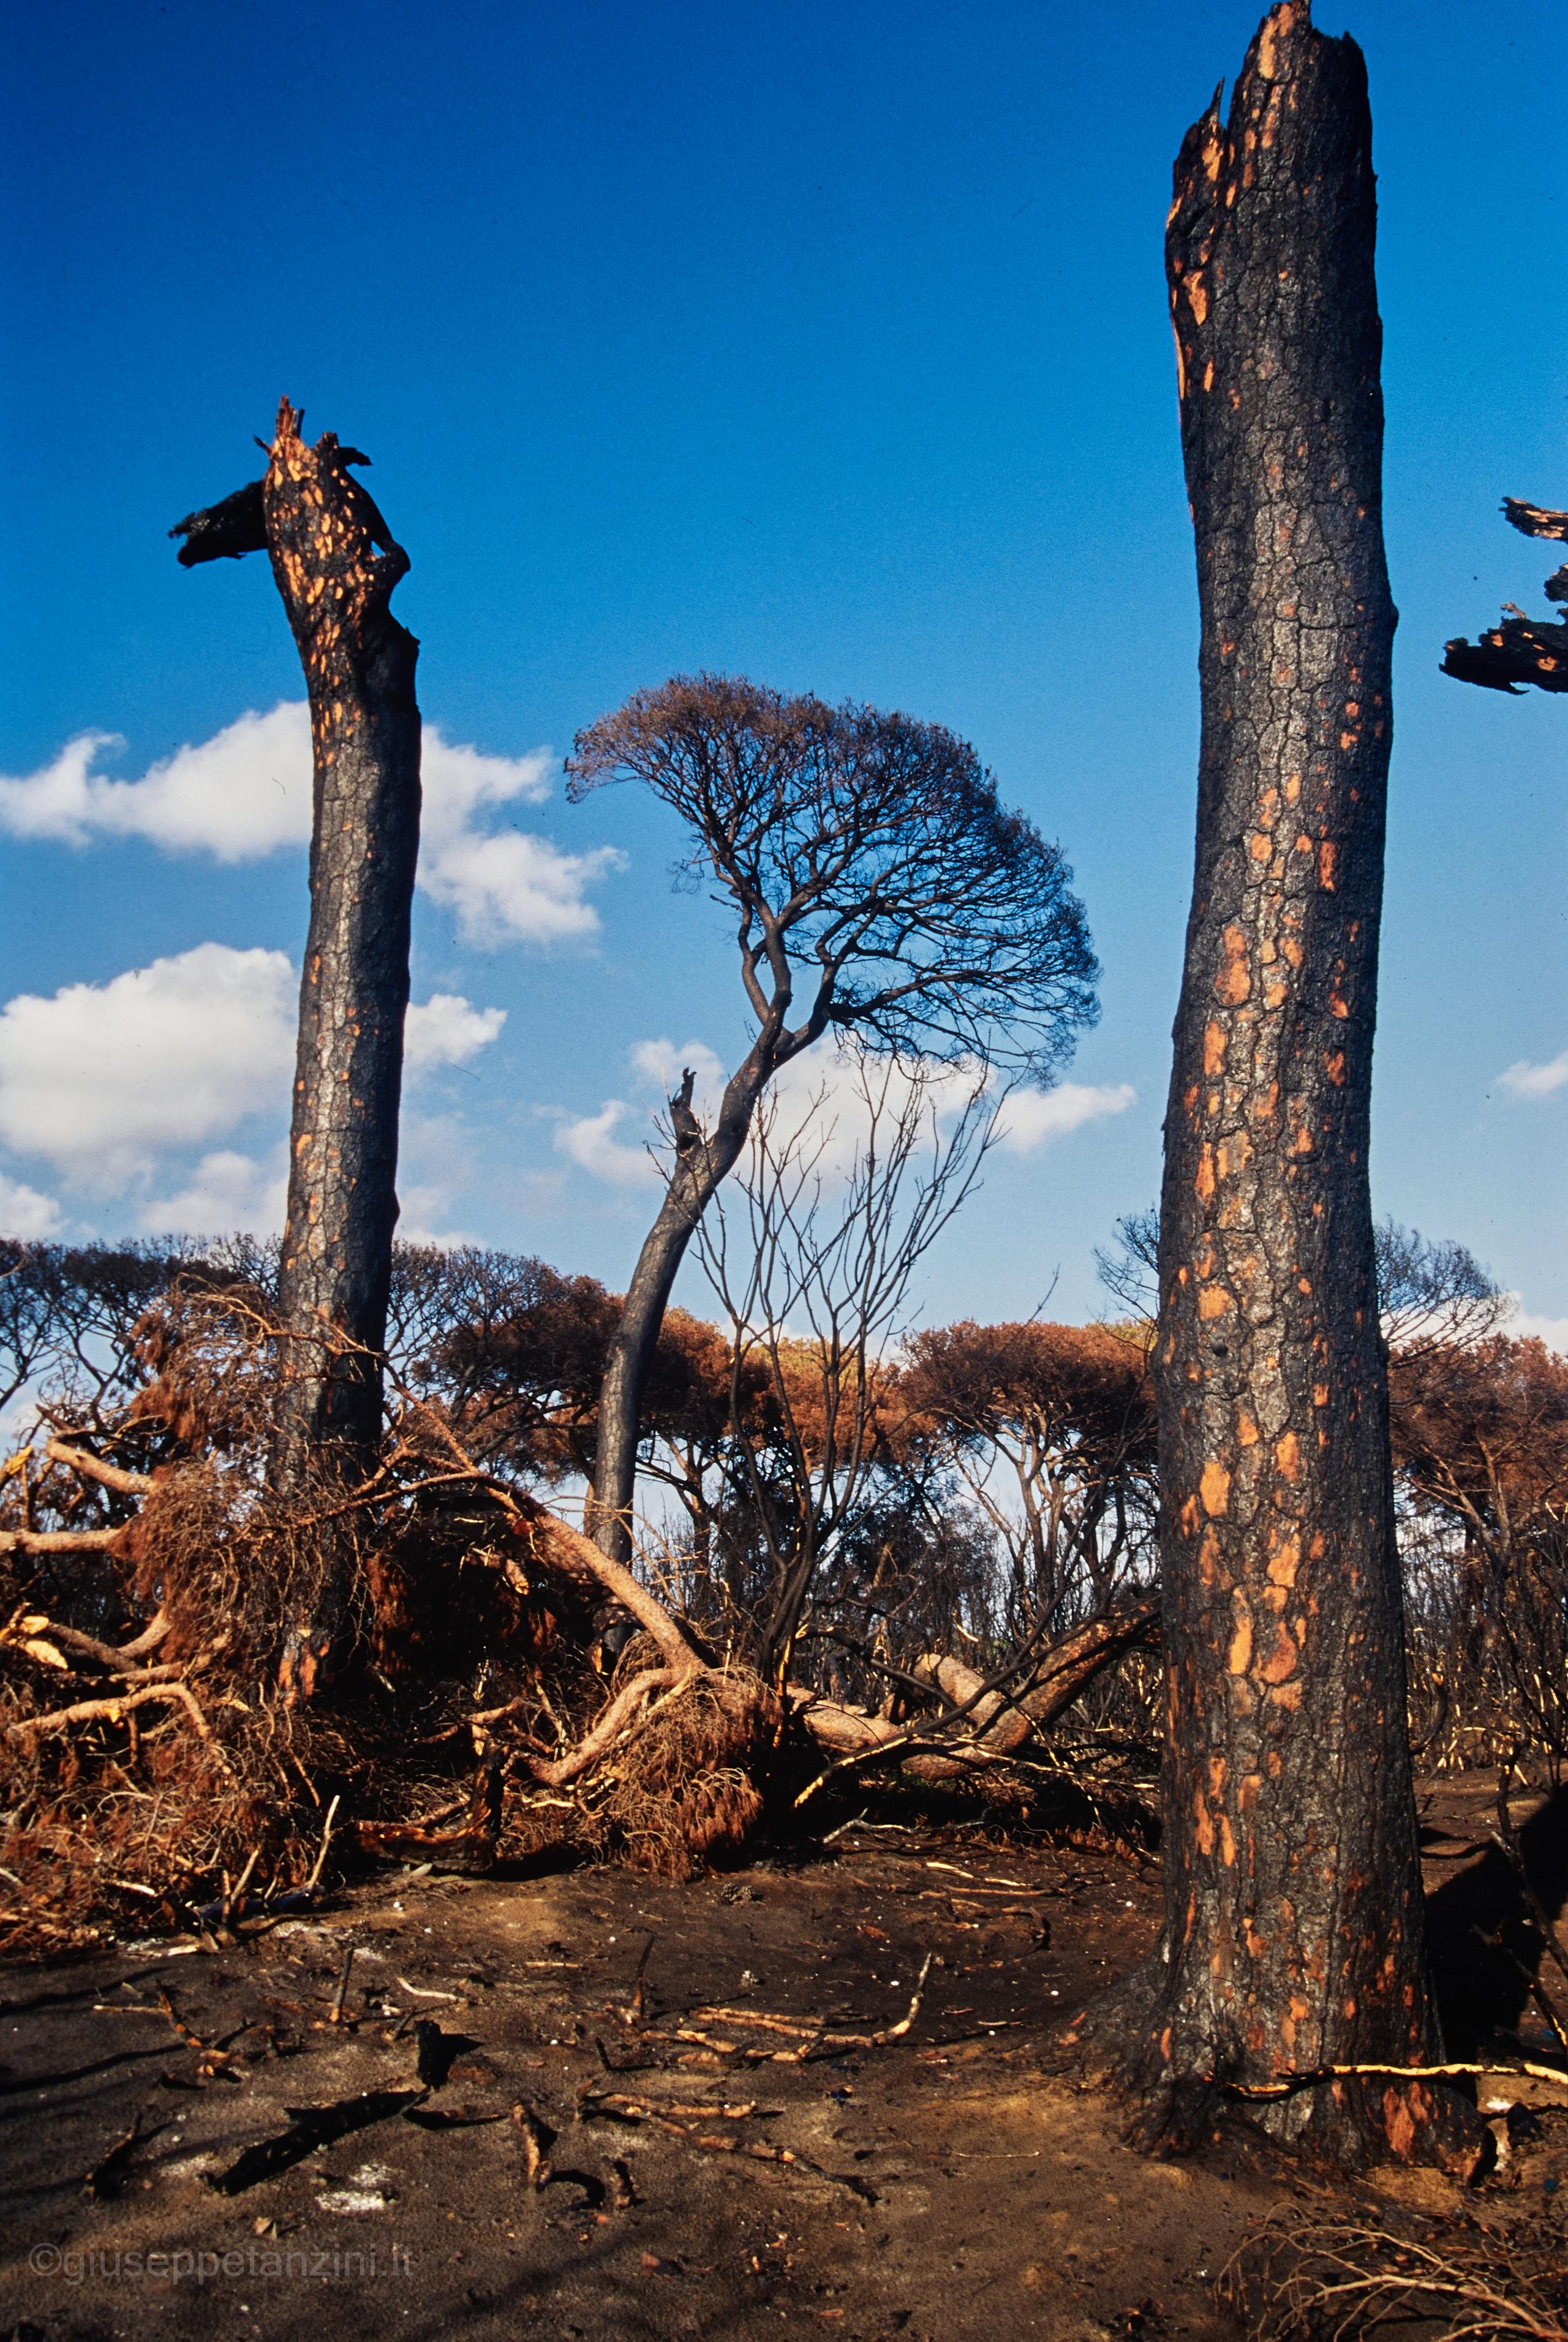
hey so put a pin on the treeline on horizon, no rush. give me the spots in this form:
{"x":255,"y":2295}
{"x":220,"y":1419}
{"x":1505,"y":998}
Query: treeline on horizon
{"x":970,"y":1486}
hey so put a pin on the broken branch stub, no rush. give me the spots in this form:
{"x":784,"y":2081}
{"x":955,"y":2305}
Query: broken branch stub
{"x":1520,"y":650}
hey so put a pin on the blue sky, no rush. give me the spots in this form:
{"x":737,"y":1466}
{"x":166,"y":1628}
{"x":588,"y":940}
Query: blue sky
{"x":825,"y":342}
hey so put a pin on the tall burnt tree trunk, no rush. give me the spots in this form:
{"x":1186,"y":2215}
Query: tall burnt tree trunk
{"x":1293,"y":1934}
{"x":335,"y":566}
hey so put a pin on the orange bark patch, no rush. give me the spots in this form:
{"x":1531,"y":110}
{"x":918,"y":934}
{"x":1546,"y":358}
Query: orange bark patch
{"x":1281,"y":1663}
{"x":1203,"y":1827}
{"x":1284,"y":1558}
{"x":1398,"y":2123}
{"x":1214,"y":1049}
{"x":1240,"y":1656}
{"x":1288,"y":1457}
{"x":1213,"y":1301}
{"x":1234,"y":984}
{"x":1327,"y":854}
{"x":1214,"y":1488}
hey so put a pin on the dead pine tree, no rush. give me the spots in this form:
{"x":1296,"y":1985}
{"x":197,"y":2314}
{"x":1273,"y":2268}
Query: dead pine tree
{"x":335,"y":565}
{"x":880,"y":892}
{"x":1293,"y":1937}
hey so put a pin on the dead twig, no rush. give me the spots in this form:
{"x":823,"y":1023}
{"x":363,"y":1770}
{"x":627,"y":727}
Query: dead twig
{"x":816,"y":2039}
{"x":111,"y":1711}
{"x":1285,"y":2085}
{"x":1341,"y":2279}
{"x":348,"y":1959}
{"x":538,"y":2138}
{"x":312,"y":1883}
{"x":92,"y":1467}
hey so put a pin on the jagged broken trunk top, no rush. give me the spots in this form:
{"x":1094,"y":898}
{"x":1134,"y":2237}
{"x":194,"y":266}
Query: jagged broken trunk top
{"x":1293,"y":1913}
{"x":335,"y":566}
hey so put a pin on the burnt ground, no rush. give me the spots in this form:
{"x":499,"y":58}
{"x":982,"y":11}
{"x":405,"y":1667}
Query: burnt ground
{"x":960,"y":2180}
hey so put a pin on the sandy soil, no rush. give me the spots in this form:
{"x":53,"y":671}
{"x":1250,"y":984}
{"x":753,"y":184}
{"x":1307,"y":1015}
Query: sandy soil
{"x":957,"y":2181}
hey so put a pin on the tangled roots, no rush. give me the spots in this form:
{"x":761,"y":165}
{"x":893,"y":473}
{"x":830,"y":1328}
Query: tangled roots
{"x":687,"y":1790}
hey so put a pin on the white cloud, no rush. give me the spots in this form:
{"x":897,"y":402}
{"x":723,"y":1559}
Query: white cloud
{"x":589,"y":1140}
{"x":246,"y":793}
{"x":1523,"y":1324}
{"x":28,"y":1215}
{"x":102,"y":1077}
{"x":505,"y":886}
{"x":1033,"y":1118}
{"x":446,"y":1030}
{"x":1527,"y":1080}
{"x":239,"y":796}
{"x":825,"y":1088}
{"x":227,"y":1192}
{"x":660,"y":1066}
{"x":514,"y":888}
{"x":590,"y":1143}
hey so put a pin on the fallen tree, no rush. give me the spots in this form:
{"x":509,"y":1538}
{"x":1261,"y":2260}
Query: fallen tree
{"x":158,"y":1760}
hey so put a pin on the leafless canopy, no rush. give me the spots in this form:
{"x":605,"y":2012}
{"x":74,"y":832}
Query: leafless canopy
{"x":872,"y":865}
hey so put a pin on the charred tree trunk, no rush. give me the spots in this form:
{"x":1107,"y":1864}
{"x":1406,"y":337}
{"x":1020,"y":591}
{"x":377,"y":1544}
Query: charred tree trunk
{"x":700,"y":1165}
{"x":335,"y":566}
{"x":1293,"y":1934}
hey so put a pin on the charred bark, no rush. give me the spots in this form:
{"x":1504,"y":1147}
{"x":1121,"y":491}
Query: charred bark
{"x":1293,"y":1916}
{"x":1520,"y":650}
{"x":335,"y":565}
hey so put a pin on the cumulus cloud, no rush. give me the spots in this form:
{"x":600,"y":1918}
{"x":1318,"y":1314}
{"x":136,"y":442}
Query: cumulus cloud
{"x":514,"y":888}
{"x":103,"y":1077}
{"x":1527,"y":1080}
{"x":28,"y":1215}
{"x":660,"y":1066}
{"x":447,"y":1030}
{"x":830,"y":1090}
{"x":508,"y":885}
{"x":1524,"y":1325}
{"x":590,"y":1142}
{"x":239,"y":796}
{"x":106,"y":1079}
{"x":1033,"y":1118}
{"x":226,"y":1191}
{"x":247,"y":792}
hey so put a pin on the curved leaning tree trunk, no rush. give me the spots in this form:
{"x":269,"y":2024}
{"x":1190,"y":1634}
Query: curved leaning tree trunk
{"x":335,"y":566}
{"x":1293,"y":1936}
{"x":700,"y":1167}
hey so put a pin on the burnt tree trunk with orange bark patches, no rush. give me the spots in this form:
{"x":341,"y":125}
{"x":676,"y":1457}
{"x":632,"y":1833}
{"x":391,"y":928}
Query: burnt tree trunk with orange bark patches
{"x":1293,"y":1918}
{"x":335,"y":566}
